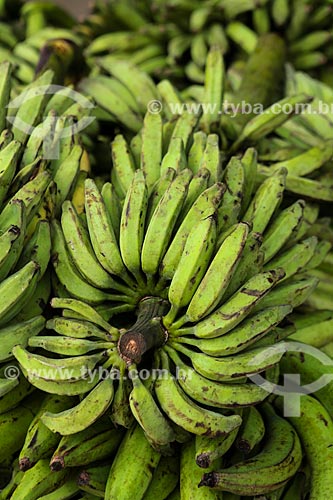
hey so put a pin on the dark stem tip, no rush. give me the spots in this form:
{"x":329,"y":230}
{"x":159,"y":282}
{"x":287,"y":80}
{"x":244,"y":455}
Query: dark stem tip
{"x":25,"y":464}
{"x":208,"y":479}
{"x":57,"y":464}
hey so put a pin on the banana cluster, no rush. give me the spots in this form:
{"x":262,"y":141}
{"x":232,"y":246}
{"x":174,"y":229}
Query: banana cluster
{"x":171,"y":39}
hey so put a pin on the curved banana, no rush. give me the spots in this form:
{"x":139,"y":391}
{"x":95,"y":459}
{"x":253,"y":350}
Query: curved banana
{"x":136,"y":475}
{"x":147,"y":413}
{"x":314,"y":427}
{"x":185,"y":413}
{"x":84,"y":414}
{"x":192,"y":266}
{"x":271,"y":468}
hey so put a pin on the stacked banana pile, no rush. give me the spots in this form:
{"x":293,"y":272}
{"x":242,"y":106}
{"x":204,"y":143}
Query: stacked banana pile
{"x":158,"y":252}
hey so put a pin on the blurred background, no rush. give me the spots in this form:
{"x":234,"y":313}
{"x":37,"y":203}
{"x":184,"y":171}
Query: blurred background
{"x":79,"y":8}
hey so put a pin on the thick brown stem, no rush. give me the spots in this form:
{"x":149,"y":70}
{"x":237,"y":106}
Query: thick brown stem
{"x":147,"y":332}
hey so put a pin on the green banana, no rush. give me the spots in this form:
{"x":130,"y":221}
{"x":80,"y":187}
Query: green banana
{"x":157,"y":233}
{"x":101,"y":233}
{"x":215,"y":394}
{"x":235,"y":309}
{"x":192,"y":266}
{"x":63,"y":492}
{"x":214,"y":82}
{"x":208,"y":450}
{"x":231,"y":367}
{"x":39,"y":440}
{"x":58,"y":369}
{"x":190,"y":475}
{"x":9,"y":156}
{"x":98,"y":442}
{"x":147,"y":413}
{"x":273,"y":466}
{"x":123,"y":163}
{"x":248,"y":332}
{"x":213,"y":285}
{"x":207,"y":200}
{"x":84,"y":414}
{"x":266,"y":201}
{"x":93,"y":479}
{"x":151,"y":152}
{"x":67,"y":273}
{"x":314,"y":427}
{"x":15,"y":290}
{"x":164,"y":480}
{"x":230,"y":208}
{"x":282,"y":228}
{"x":38,"y":481}
{"x":132,"y":224}
{"x":121,"y":481}
{"x":251,"y":431}
{"x":187,"y":414}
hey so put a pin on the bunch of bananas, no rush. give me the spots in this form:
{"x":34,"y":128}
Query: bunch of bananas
{"x":171,"y":38}
{"x":160,"y":250}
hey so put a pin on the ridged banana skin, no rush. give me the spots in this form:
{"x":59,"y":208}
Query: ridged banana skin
{"x":15,"y":290}
{"x":230,"y":368}
{"x":123,"y":162}
{"x":98,"y":442}
{"x":12,"y":240}
{"x":19,"y":333}
{"x":278,"y":461}
{"x":85,"y":312}
{"x":266,"y":200}
{"x":127,"y":476}
{"x":215,"y":394}
{"x":208,"y":450}
{"x":234,"y":179}
{"x":13,"y":427}
{"x":9,"y":156}
{"x":295,"y":259}
{"x":39,"y":440}
{"x":207,"y":200}
{"x":164,"y":480}
{"x":214,"y":283}
{"x":192,"y":266}
{"x":314,"y":427}
{"x":79,"y":247}
{"x":103,"y":238}
{"x":68,"y":276}
{"x":162,"y":223}
{"x":147,"y":413}
{"x":252,"y":430}
{"x":236,"y":308}
{"x":151,"y":152}
{"x":132,"y":224}
{"x":5,"y":88}
{"x":63,"y":492}
{"x":187,"y":414}
{"x":58,"y":369}
{"x":190,"y":475}
{"x":38,"y":481}
{"x":294,"y":291}
{"x":282,"y":228}
{"x":247,"y":333}
{"x":84,"y":414}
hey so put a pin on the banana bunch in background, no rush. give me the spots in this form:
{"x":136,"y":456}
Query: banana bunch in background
{"x":171,"y":39}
